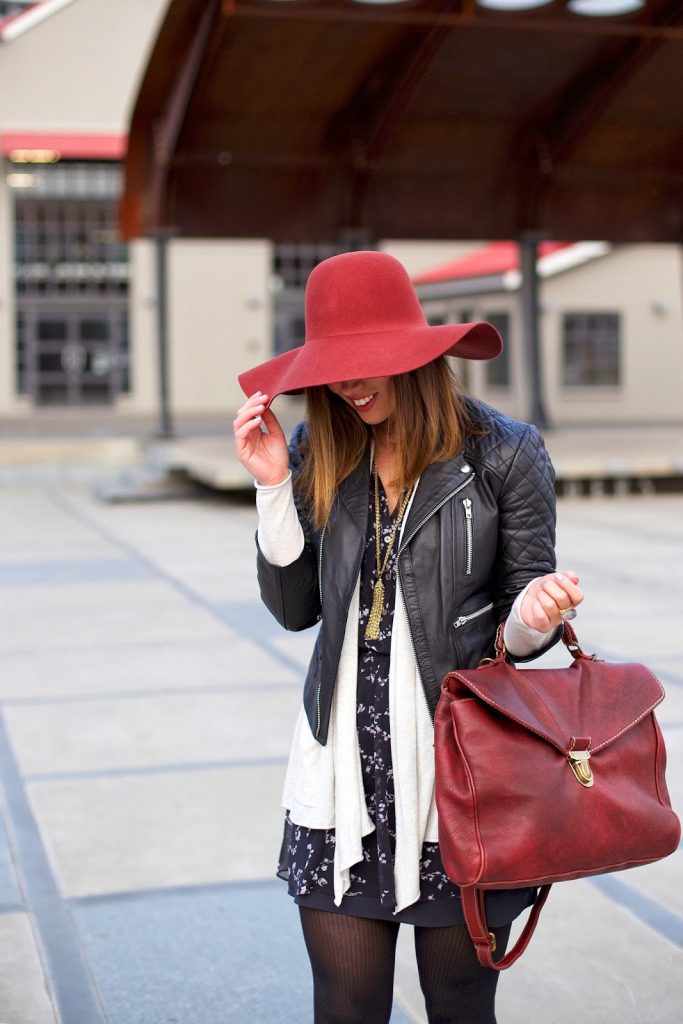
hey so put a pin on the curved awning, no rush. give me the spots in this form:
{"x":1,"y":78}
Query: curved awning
{"x":303,"y":119}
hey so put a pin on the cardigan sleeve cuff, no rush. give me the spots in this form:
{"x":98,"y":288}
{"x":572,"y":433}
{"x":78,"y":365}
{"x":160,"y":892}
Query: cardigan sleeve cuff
{"x":522,"y":640}
{"x":280,"y":536}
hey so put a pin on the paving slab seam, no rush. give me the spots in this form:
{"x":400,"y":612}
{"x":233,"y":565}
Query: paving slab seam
{"x":12,"y":908}
{"x":658,"y":917}
{"x":155,"y":769}
{"x":166,"y":691}
{"x":189,"y":890}
{"x":104,"y":646}
{"x":69,"y":981}
{"x":219,"y":613}
{"x":84,"y":570}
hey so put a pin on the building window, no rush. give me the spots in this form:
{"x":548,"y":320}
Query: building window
{"x":71,"y":276}
{"x":292,"y":264}
{"x":591,"y":349}
{"x":498,"y":369}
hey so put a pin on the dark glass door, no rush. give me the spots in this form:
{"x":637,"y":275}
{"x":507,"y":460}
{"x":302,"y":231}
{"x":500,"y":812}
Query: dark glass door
{"x":75,"y":356}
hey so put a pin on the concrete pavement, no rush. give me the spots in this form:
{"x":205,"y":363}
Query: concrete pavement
{"x":147,"y":701}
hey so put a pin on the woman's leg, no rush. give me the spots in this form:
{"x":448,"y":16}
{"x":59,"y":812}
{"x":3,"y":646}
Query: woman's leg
{"x":457,"y":989}
{"x":352,"y":959}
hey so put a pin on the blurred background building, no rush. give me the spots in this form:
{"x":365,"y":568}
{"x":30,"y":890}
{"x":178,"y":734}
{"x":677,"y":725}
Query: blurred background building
{"x":78,"y":322}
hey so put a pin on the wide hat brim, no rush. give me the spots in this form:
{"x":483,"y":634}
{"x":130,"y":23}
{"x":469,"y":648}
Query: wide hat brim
{"x":375,"y":354}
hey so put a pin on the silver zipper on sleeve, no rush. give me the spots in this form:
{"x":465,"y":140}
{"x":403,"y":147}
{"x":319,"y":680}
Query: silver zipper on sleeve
{"x":469,"y":529}
{"x":462,"y":619}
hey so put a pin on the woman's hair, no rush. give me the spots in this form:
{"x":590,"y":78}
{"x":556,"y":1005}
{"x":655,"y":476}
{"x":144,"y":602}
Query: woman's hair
{"x":430,"y":424}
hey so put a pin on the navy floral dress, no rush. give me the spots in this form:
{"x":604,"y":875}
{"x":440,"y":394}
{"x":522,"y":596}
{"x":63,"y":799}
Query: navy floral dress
{"x":307,"y":854}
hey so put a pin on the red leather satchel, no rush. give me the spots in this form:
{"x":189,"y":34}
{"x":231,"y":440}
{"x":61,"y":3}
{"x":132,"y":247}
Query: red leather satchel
{"x":544,"y":775}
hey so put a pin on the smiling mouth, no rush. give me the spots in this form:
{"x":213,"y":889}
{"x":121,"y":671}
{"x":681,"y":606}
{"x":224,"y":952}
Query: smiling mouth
{"x":360,"y":403}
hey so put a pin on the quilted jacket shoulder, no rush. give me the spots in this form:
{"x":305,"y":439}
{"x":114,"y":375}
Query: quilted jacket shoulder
{"x":502,"y":440}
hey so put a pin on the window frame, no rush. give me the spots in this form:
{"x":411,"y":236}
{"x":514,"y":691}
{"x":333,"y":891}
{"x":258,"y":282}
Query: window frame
{"x":583,"y":385}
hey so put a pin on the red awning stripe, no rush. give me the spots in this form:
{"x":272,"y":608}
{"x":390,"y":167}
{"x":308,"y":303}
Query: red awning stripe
{"x":497,"y":258}
{"x":69,"y":146}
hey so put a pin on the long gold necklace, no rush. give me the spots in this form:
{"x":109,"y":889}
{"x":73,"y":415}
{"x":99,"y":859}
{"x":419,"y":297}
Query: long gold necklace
{"x":375,"y":616}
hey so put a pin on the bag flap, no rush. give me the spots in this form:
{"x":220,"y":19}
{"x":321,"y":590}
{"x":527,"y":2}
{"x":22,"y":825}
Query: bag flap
{"x":591,"y":698}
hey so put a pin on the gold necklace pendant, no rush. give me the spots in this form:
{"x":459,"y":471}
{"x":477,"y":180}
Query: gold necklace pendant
{"x":375,"y":616}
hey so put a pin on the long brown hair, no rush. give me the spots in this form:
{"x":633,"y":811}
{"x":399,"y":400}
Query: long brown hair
{"x":430,"y":423}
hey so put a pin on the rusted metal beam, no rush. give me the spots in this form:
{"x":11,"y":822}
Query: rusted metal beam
{"x":544,"y":144}
{"x":364,"y":127}
{"x":464,"y":18}
{"x":168,"y":125}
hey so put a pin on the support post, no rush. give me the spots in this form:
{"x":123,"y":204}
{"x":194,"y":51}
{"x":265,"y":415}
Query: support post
{"x":528,"y":252}
{"x":161,"y":251}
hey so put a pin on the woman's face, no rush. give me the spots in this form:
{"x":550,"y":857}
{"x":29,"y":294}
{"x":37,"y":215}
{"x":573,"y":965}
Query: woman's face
{"x":373,"y":398}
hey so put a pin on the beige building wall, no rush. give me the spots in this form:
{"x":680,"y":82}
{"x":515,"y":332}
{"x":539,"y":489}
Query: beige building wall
{"x":142,"y":324}
{"x":643,"y":284}
{"x":220,"y":317}
{"x":472,"y":373}
{"x":79,"y":69}
{"x":418,"y":256}
{"x":513,"y":400}
{"x":7,"y":348}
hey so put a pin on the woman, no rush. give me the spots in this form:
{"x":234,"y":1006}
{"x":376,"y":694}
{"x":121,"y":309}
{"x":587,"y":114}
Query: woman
{"x":409,"y":520}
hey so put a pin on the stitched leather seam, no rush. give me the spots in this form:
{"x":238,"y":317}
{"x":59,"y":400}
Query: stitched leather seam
{"x":514,"y":718}
{"x":508,"y":714}
{"x":605,"y":743}
{"x":475,"y":817}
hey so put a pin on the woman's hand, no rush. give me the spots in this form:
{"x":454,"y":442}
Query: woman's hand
{"x":549,"y":596}
{"x":264,"y":455}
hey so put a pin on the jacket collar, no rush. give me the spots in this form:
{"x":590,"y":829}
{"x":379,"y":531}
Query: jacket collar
{"x":434,"y":487}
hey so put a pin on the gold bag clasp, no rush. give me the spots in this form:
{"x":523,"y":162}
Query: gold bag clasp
{"x":579,"y":762}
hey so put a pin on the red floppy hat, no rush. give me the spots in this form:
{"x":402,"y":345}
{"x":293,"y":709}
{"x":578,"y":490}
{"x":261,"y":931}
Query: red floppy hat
{"x":363,"y":319}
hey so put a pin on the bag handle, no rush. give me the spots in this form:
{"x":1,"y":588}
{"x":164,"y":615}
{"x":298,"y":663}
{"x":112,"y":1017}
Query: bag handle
{"x":568,"y":638}
{"x":484,"y":940}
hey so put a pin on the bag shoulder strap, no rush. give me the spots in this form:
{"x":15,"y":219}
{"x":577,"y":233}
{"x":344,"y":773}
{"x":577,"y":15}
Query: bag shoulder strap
{"x":484,"y":940}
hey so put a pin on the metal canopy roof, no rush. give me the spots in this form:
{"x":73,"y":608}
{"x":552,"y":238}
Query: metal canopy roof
{"x":303,"y":119}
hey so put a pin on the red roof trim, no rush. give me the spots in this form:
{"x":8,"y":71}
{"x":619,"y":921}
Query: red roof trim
{"x":494,"y":260}
{"x":11,"y":18}
{"x":88,"y":147}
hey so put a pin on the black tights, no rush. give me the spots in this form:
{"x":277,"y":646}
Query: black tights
{"x":352,"y":959}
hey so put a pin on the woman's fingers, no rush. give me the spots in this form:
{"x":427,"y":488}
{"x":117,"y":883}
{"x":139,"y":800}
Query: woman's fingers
{"x":254,"y":406}
{"x":272,"y":425}
{"x":263,"y":452}
{"x":247,"y":426}
{"x":568,"y":583}
{"x":548,"y":597}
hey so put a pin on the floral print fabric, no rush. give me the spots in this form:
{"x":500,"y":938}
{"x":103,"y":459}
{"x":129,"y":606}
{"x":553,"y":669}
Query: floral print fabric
{"x":307,"y":854}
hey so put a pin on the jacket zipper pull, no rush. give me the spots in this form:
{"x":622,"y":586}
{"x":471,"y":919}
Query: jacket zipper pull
{"x":469,"y":522}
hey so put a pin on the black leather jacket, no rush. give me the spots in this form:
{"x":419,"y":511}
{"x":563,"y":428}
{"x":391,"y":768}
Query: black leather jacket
{"x":481,"y":526}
